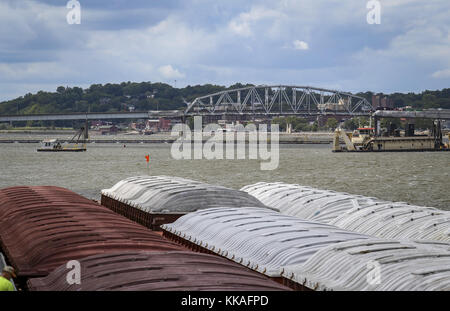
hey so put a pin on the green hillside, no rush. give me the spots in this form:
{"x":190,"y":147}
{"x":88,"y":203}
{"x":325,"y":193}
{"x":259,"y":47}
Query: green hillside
{"x":153,"y":96}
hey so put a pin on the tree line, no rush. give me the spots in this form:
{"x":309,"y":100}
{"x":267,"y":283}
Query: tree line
{"x":145,"y":96}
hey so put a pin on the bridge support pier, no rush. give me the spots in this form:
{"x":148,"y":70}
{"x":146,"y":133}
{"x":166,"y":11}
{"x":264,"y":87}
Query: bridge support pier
{"x":86,"y":130}
{"x":289,"y":128}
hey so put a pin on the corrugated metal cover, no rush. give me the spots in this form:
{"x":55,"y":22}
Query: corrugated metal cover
{"x":397,"y":221}
{"x":376,"y":264}
{"x":44,"y":227}
{"x":175,"y":194}
{"x":260,"y":239}
{"x":306,"y":202}
{"x":145,"y":271}
{"x":356,"y":213}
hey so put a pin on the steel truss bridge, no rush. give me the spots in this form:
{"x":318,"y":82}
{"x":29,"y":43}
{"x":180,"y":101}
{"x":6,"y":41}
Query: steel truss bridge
{"x":257,"y":102}
{"x":280,"y":100}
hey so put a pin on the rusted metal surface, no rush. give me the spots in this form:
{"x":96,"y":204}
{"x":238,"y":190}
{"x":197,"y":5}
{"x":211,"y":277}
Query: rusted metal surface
{"x":156,"y":200}
{"x":42,"y":228}
{"x":145,"y":271}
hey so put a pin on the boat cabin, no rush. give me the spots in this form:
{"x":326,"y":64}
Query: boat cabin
{"x":364,"y":131}
{"x":50,"y":144}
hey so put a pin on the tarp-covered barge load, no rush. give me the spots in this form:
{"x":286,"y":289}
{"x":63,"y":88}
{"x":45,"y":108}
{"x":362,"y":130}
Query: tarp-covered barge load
{"x":260,"y":239}
{"x":366,"y":215}
{"x":374,"y":265}
{"x":156,"y":200}
{"x":308,"y":255}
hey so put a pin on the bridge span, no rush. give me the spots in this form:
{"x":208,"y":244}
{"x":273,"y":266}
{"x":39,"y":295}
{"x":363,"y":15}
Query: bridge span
{"x":280,"y":100}
{"x":94,"y":116}
{"x":166,"y":114}
{"x":255,"y":101}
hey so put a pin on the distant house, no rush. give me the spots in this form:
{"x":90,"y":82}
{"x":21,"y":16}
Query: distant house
{"x":378,"y":101}
{"x":106,"y":130}
{"x":446,"y":124}
{"x":105,"y":100}
{"x":152,"y":124}
{"x":96,"y":124}
{"x":164,"y":124}
{"x":158,"y":125}
{"x":138,"y":125}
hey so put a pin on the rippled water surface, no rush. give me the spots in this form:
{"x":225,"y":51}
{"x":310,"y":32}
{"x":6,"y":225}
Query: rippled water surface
{"x":417,"y":178}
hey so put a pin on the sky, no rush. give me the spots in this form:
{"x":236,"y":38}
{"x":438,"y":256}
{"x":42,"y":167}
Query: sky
{"x":321,"y":43}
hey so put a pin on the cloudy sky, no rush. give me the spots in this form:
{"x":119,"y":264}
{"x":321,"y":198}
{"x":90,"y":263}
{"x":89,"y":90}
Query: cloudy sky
{"x":324,"y":43}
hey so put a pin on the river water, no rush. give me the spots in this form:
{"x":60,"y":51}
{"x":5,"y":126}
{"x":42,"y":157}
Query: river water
{"x":416,"y":178}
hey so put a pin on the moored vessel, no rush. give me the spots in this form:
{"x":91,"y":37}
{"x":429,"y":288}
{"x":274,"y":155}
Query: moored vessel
{"x":53,"y":145}
{"x":366,"y":140}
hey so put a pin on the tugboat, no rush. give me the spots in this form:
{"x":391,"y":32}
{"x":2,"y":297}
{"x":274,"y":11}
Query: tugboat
{"x":54,"y":145}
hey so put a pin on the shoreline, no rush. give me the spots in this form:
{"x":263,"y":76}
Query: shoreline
{"x":27,"y":137}
{"x":134,"y":141}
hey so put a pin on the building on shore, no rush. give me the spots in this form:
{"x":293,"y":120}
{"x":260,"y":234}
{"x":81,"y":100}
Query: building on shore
{"x":380,"y":101}
{"x":105,"y":130}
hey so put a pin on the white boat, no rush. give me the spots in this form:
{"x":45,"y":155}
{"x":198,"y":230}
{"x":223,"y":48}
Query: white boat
{"x":53,"y":145}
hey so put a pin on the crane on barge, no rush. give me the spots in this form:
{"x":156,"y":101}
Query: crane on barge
{"x":372,"y":140}
{"x":74,"y":145}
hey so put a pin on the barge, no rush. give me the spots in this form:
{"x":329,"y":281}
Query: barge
{"x":53,"y":145}
{"x":366,"y":140}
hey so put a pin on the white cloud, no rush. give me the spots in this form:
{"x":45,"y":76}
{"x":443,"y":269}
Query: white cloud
{"x":170,"y":41}
{"x":33,"y":71}
{"x":300,"y":45}
{"x":441,"y":74}
{"x":169,"y":72}
{"x":240,"y":28}
{"x":246,"y":23}
{"x":258,"y":41}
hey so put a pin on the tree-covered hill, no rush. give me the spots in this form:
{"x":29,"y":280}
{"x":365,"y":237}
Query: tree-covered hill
{"x":159,"y":96}
{"x":108,"y":98}
{"x":425,"y":100}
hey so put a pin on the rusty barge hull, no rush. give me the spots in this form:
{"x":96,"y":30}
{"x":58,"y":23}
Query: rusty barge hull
{"x":160,"y":271}
{"x":44,"y":227}
{"x":152,"y":221}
